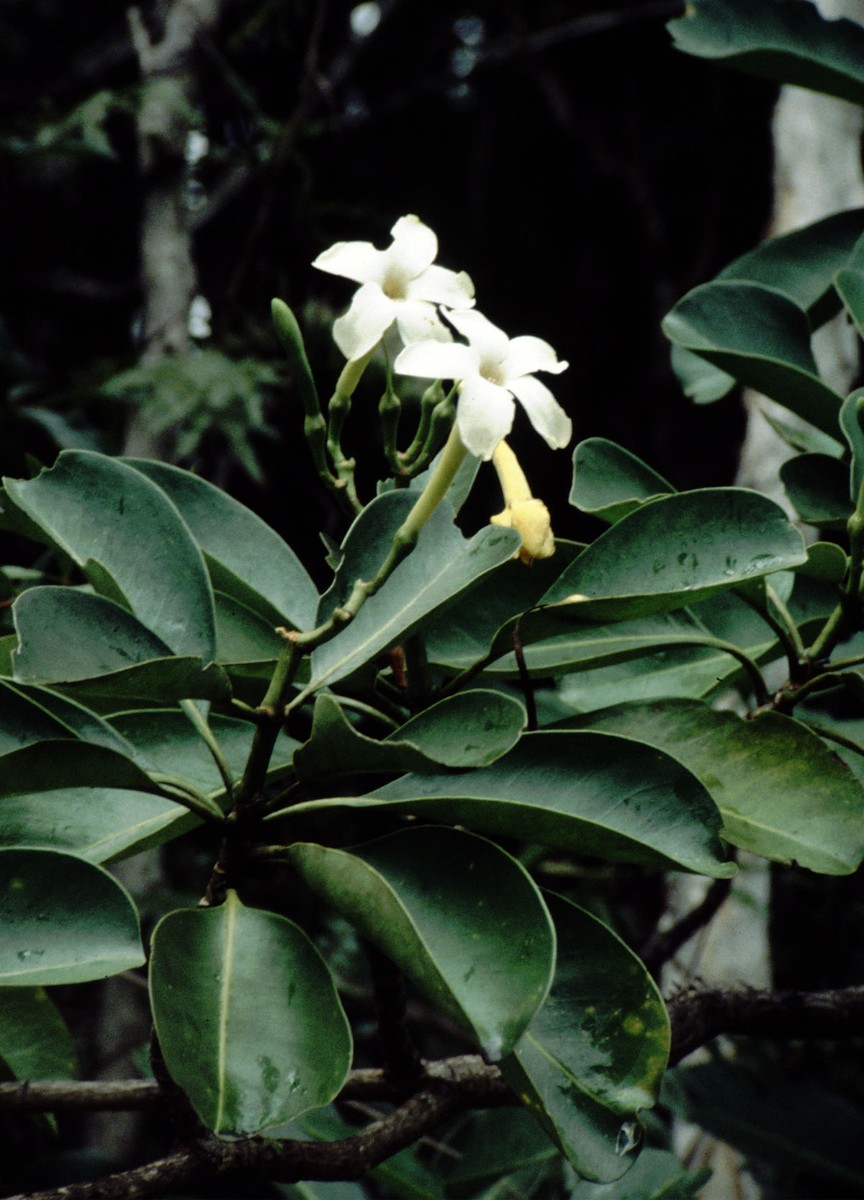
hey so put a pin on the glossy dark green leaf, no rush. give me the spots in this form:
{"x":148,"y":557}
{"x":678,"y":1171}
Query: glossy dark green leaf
{"x":246,"y":558}
{"x":692,"y":671}
{"x":850,"y":285}
{"x":35,"y":1042}
{"x":461,"y":633}
{"x":555,"y":641}
{"x":804,"y":262}
{"x":591,"y":793}
{"x":167,"y":741}
{"x":443,"y":566}
{"x":826,"y":561}
{"x":129,"y":539}
{"x":818,"y":489}
{"x":23,"y":723}
{"x":792,"y":43}
{"x":94,"y":648}
{"x":595,"y":1054}
{"x":762,"y":338}
{"x":425,"y":897}
{"x":470,"y":729}
{"x":247,"y":1016}
{"x":242,"y":635}
{"x":656,"y":1175}
{"x":678,"y":550}
{"x":609,"y":481}
{"x":63,"y":920}
{"x":781,"y":792}
{"x":489,"y":1145}
{"x":99,"y":824}
{"x":798,"y":435}
{"x":851,"y":415}
{"x":53,"y":763}
{"x":74,"y":718}
{"x":701,"y":381}
{"x":775,"y":1115}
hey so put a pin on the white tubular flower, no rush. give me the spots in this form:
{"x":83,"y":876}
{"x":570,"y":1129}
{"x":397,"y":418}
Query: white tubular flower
{"x":401,"y":284}
{"x":490,"y":371}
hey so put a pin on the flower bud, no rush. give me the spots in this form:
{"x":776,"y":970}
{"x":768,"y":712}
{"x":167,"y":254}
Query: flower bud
{"x":531,"y":520}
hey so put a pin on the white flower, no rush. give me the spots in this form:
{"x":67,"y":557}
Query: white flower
{"x":491,"y":370}
{"x":399,"y":284}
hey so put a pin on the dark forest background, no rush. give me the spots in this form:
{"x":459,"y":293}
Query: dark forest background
{"x":584,"y":172}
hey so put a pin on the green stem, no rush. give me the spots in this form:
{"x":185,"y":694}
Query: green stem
{"x":389,"y":412}
{"x":192,"y":711}
{"x":428,"y":401}
{"x":337,"y":414}
{"x":788,"y":698}
{"x":440,"y":426}
{"x":270,"y":715}
{"x":404,"y":541}
{"x":793,"y":647}
{"x":845,"y":616}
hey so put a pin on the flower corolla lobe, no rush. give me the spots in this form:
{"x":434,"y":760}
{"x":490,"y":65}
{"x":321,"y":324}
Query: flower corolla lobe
{"x":401,"y":284}
{"x":491,"y":370}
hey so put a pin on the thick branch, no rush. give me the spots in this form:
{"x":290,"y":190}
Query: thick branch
{"x":289,"y":1161}
{"x":447,"y":1087}
{"x":698,"y":1016}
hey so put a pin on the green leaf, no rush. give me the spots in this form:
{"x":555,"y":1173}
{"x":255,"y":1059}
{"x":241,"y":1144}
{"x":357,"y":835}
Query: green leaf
{"x":23,"y":723}
{"x":774,"y":1115}
{"x":592,"y":793}
{"x":461,"y":634}
{"x":424,"y":897}
{"x":74,"y":718}
{"x":826,"y":562}
{"x":52,"y":763}
{"x":34,"y":1040}
{"x":96,"y":823}
{"x":127,"y":537}
{"x":699,"y":380}
{"x":242,"y":635}
{"x":791,"y":43}
{"x":63,"y":920}
{"x":609,"y":481}
{"x":443,"y":566}
{"x":247,"y":1016}
{"x":489,"y":1145}
{"x":781,"y":792}
{"x":800,"y":436}
{"x":470,"y":729}
{"x":850,"y":420}
{"x":818,"y":489}
{"x":850,"y":286}
{"x":93,"y":647}
{"x":246,"y":558}
{"x":762,"y":338}
{"x":656,"y":1175}
{"x":597,"y":1050}
{"x":678,"y":550}
{"x":167,"y":741}
{"x":803,"y":263}
{"x":555,"y":641}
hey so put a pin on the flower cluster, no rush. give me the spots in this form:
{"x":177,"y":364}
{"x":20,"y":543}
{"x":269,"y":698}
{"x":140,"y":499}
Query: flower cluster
{"x":403,"y":286}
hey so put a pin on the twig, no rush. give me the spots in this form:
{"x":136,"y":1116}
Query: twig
{"x":662,"y":946}
{"x":698,"y":1016}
